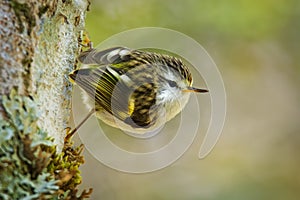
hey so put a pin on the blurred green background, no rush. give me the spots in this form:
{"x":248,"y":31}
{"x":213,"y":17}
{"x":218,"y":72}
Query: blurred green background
{"x":255,"y":44}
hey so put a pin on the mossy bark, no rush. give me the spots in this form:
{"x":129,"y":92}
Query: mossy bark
{"x":38,"y":48}
{"x":39,"y":45}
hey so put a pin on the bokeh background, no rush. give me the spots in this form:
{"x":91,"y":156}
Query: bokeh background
{"x":255,"y":44}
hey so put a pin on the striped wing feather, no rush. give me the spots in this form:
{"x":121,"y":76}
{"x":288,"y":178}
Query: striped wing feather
{"x":124,"y":88}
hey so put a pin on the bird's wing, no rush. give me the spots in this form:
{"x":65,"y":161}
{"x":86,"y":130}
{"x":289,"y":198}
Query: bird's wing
{"x":142,"y":108}
{"x":105,"y":57}
{"x":123,"y":93}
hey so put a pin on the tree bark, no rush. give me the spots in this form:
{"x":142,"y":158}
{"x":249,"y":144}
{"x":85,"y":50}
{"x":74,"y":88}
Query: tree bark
{"x":39,"y":46}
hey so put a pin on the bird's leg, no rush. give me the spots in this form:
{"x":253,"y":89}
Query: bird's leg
{"x":71,"y":133}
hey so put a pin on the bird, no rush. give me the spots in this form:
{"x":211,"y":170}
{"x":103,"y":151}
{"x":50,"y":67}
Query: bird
{"x":132,"y":89}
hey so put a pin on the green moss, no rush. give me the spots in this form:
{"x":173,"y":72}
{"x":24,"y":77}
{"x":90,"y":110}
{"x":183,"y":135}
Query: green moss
{"x":30,"y":168}
{"x":65,"y":168}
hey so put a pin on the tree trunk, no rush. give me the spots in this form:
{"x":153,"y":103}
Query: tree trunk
{"x":39,"y":45}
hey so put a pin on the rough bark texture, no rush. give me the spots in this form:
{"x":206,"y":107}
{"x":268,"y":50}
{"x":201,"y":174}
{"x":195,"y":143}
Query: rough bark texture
{"x":39,"y":44}
{"x":38,"y":49}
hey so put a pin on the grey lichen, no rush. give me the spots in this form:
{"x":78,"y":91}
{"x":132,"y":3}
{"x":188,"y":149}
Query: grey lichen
{"x":39,"y":44}
{"x":30,"y":168}
{"x":23,"y":161}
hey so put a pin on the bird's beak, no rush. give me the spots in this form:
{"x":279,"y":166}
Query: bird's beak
{"x":192,"y":89}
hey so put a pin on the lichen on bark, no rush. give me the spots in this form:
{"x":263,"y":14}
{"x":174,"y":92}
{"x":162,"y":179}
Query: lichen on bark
{"x":30,"y":167}
{"x":39,"y":45}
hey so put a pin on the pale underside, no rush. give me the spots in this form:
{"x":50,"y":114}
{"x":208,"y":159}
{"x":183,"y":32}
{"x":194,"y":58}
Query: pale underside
{"x":166,"y":113}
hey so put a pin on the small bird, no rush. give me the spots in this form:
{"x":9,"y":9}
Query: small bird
{"x":134,"y":90}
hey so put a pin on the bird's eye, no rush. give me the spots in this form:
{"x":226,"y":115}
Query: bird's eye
{"x":172,"y":83}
